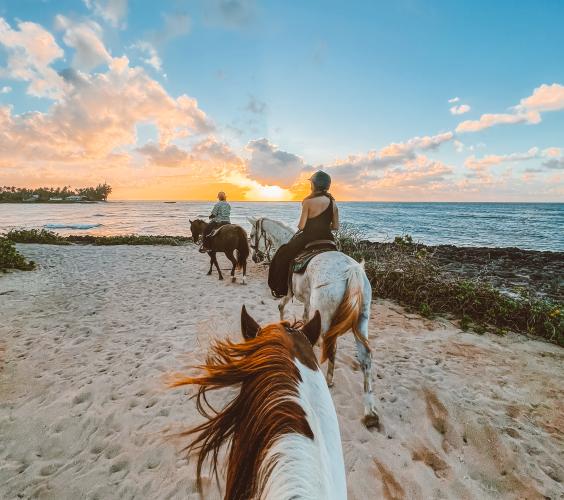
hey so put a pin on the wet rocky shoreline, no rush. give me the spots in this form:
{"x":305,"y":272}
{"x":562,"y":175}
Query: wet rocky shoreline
{"x":514,"y":270}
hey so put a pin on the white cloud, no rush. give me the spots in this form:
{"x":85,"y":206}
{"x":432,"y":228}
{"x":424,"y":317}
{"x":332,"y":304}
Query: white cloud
{"x":151,"y":55}
{"x":85,"y":39}
{"x":112,"y":11}
{"x":359,"y":166}
{"x":30,"y":51}
{"x":490,"y":160}
{"x":544,"y":98}
{"x":271,"y":165}
{"x":489,"y":120}
{"x":98,"y":117}
{"x":5,"y":90}
{"x":453,"y":100}
{"x":460,"y":110}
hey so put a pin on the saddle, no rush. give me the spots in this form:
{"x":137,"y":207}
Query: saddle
{"x":312,"y":249}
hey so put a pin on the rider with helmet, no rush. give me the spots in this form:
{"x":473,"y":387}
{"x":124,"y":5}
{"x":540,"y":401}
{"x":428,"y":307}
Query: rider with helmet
{"x":318,"y":219}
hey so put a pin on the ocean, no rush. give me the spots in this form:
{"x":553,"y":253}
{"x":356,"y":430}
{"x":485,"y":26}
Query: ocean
{"x":533,"y":226}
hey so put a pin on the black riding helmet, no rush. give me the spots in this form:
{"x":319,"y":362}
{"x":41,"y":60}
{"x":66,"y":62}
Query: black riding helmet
{"x":321,"y":181}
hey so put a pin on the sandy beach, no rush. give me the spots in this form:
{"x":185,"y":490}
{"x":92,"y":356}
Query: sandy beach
{"x":87,"y":338}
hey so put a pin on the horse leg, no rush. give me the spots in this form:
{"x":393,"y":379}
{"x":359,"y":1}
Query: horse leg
{"x":244,"y":280}
{"x":229,"y":255}
{"x":364,"y":356}
{"x":214,"y":261}
{"x":282,"y":304}
{"x":211,"y":263}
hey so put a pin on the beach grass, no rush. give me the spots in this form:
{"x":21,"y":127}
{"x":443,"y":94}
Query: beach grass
{"x":10,"y":258}
{"x":405,"y":272}
{"x":44,"y":236}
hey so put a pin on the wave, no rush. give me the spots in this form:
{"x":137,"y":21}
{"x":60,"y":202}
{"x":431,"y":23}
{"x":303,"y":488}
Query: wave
{"x":71,"y":226}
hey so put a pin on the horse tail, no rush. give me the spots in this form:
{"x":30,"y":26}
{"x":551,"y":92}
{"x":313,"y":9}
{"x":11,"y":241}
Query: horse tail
{"x":348,"y":313}
{"x":242,"y":248}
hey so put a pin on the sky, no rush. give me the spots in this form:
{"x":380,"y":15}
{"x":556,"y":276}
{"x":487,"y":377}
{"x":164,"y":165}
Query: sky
{"x":406,"y":100}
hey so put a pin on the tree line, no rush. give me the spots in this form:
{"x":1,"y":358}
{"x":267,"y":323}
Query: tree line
{"x":14,"y":194}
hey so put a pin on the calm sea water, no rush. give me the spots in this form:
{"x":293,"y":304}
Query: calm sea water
{"x":525,"y":225}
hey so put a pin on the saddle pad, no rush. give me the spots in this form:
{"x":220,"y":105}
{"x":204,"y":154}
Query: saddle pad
{"x":299,"y":264}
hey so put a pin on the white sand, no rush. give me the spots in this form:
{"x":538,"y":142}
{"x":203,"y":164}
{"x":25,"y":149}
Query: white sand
{"x":88,"y":337}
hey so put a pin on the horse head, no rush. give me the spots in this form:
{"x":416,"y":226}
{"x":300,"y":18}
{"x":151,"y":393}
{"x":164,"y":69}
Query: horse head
{"x":197,"y":228}
{"x":278,"y":380}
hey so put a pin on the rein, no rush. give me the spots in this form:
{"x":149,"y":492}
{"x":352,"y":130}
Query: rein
{"x":260,"y":233}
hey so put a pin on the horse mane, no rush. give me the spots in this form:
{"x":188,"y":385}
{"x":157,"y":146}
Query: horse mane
{"x":264,"y":410}
{"x":280,"y":223}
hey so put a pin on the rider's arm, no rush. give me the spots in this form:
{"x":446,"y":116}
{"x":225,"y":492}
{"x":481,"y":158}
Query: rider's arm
{"x":303,"y":216}
{"x":214,"y":211}
{"x":335,"y":222}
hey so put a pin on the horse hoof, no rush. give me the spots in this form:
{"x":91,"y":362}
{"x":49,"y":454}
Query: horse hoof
{"x":371,"y":421}
{"x":233,"y":280}
{"x":221,"y":278}
{"x":209,"y":274}
{"x":330,"y":384}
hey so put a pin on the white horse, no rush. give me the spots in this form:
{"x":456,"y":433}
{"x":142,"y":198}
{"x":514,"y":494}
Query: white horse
{"x":333,"y":284}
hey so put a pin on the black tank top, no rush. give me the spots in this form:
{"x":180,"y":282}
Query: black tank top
{"x":319,"y":227}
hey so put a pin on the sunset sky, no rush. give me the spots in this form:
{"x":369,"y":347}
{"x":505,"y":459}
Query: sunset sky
{"x":406,"y":100}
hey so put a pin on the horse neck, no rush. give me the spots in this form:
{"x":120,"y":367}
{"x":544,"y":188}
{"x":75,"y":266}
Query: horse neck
{"x":278,"y":232}
{"x":314,"y":467}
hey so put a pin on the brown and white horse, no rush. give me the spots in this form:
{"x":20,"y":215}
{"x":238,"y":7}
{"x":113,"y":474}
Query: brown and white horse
{"x":281,"y":428}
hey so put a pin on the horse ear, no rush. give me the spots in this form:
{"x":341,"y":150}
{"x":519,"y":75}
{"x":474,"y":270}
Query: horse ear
{"x":249,"y":327}
{"x":312,"y":329}
{"x":252,"y":220}
{"x":190,"y":221}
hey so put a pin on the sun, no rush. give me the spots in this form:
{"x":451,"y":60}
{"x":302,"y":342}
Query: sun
{"x":269,"y":193}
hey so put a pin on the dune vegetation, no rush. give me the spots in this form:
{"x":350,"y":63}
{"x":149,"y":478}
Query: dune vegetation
{"x":406,"y":272}
{"x":10,"y":258}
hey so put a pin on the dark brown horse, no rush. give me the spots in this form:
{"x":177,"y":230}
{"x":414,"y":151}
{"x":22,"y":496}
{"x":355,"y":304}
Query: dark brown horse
{"x":227,"y":239}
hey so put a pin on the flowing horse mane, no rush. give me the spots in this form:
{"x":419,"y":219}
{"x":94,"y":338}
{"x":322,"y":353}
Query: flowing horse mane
{"x":265,"y":409}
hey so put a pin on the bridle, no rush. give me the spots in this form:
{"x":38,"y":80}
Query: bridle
{"x":260,"y":233}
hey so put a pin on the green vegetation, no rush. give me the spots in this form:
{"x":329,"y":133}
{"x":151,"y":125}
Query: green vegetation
{"x":50,"y":238}
{"x":10,"y":258}
{"x":12,"y":194}
{"x":404,"y":271}
{"x":35,"y":236}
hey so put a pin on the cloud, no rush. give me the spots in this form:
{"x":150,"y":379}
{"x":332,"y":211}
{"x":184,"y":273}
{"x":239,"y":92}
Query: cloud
{"x":30,"y":51}
{"x":98,"y":116}
{"x":544,"y":98}
{"x":5,"y":90}
{"x":460,"y":110}
{"x":256,"y":106}
{"x":230,"y":13}
{"x":489,"y":120}
{"x":271,"y":165}
{"x":112,"y":11}
{"x":164,"y":156}
{"x":355,"y":167}
{"x":453,"y":100}
{"x":554,"y":163}
{"x":174,"y":25}
{"x":151,"y":55}
{"x":85,"y":39}
{"x":490,"y":160}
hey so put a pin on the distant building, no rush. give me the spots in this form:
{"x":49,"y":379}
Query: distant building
{"x":74,"y":197}
{"x":55,"y":199}
{"x":33,"y":197}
